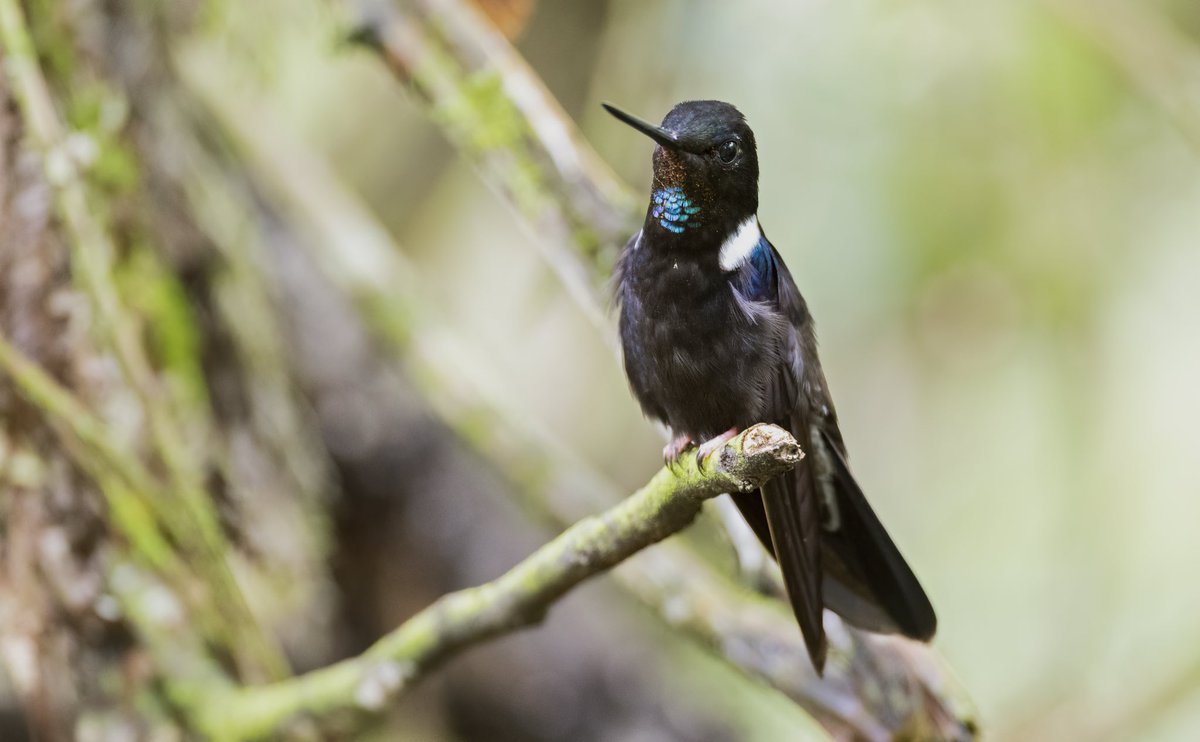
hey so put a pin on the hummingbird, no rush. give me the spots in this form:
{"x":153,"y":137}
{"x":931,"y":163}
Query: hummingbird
{"x":716,"y":337}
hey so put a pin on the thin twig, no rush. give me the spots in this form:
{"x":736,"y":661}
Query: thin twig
{"x":499,"y":114}
{"x":584,"y":183}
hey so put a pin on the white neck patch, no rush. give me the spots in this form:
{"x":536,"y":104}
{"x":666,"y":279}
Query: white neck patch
{"x":738,"y":246}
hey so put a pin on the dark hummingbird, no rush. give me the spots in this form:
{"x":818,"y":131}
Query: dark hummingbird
{"x":716,"y":337}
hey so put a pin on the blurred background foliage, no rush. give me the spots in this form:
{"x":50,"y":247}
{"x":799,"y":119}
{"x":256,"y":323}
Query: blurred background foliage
{"x":997,"y":227}
{"x":993,"y":209}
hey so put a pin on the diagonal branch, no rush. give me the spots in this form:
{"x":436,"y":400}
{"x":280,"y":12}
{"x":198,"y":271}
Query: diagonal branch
{"x":498,"y":113}
{"x":519,"y":598}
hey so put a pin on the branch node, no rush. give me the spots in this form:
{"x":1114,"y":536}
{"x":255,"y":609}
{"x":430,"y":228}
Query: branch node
{"x":773,"y":439}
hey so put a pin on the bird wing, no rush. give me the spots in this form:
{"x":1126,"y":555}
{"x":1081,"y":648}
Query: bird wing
{"x":786,"y":514}
{"x":817,"y":519}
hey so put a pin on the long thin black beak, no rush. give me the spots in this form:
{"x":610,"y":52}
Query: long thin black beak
{"x":657,"y":133}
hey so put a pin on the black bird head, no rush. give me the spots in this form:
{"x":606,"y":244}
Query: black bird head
{"x":705,"y":169}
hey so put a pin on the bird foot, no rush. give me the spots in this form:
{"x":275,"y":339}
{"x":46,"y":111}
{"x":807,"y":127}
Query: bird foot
{"x":712,"y":444}
{"x":673,"y":450}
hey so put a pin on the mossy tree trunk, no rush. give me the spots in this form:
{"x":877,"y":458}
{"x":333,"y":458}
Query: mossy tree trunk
{"x":118,"y":283}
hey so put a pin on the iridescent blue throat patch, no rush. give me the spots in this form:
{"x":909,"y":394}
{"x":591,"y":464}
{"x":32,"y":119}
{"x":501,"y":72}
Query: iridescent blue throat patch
{"x":674,"y":210}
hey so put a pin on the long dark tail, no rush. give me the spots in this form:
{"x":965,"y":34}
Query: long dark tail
{"x":862,"y":575}
{"x":867,"y":580}
{"x":790,"y":512}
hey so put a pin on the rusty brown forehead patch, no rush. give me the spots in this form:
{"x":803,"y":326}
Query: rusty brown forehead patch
{"x":671,"y":171}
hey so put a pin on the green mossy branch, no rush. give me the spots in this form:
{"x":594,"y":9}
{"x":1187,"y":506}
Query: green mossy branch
{"x":499,"y":114}
{"x":519,"y":598}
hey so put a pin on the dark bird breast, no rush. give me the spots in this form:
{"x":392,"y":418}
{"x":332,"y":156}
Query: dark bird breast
{"x":699,"y":357}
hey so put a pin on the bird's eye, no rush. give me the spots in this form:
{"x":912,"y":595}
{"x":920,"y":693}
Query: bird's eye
{"x":727,"y":151}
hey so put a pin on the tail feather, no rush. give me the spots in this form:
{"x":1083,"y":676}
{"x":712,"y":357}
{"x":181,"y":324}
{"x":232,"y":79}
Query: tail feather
{"x":793,"y":520}
{"x":869,"y":579}
{"x":864,"y":578}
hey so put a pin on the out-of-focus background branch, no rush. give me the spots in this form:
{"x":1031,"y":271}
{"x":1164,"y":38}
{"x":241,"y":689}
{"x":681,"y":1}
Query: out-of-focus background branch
{"x":241,"y":224}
